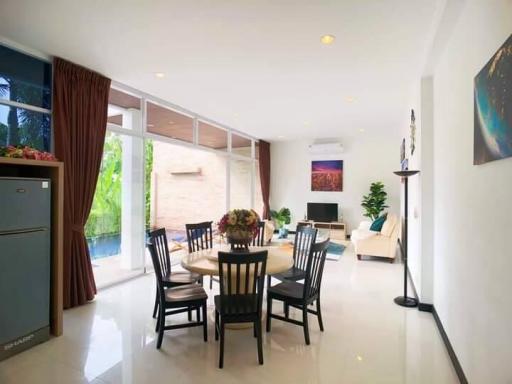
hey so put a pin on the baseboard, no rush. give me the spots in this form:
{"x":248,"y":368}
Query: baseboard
{"x":451,"y":352}
{"x":424,"y":307}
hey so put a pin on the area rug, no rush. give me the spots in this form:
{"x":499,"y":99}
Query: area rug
{"x":334,"y":251}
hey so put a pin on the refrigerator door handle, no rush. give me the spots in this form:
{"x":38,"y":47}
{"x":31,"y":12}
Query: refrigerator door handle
{"x":21,"y":231}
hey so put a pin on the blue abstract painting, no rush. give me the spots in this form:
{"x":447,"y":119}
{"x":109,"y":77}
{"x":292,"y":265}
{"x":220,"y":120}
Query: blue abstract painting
{"x":493,"y":108}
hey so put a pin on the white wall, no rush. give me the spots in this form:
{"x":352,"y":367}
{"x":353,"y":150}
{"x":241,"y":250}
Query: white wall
{"x":472,"y":205}
{"x":367,"y":158}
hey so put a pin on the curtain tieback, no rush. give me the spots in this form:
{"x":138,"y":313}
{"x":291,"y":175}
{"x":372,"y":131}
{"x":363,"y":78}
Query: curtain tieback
{"x":77,"y":228}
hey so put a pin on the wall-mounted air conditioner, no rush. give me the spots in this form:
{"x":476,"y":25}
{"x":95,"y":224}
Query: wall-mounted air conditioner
{"x":325,"y":148}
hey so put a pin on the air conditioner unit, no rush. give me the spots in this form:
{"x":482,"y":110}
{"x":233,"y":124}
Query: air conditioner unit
{"x":325,"y":148}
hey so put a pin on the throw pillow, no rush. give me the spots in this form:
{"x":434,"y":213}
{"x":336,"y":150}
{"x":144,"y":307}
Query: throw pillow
{"x":378,"y":223}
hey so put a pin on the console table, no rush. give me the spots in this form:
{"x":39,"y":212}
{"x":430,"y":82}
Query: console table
{"x":337,"y":230}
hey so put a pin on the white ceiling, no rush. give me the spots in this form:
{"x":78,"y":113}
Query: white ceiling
{"x":257,"y":66}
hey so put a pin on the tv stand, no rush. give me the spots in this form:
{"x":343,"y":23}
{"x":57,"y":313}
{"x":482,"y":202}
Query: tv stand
{"x":337,"y":230}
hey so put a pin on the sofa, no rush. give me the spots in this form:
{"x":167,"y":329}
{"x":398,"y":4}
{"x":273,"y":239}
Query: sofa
{"x":379,"y":244}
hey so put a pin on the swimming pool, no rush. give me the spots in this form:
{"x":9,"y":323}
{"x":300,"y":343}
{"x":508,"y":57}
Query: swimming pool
{"x":110,"y":244}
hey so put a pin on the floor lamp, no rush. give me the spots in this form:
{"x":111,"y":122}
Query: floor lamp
{"x":405,"y":301}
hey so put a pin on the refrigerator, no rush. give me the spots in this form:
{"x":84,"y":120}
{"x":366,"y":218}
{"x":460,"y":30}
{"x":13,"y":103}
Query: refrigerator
{"x":25,"y":250}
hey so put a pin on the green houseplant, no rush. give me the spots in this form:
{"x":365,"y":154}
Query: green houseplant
{"x":375,"y":202}
{"x":281,"y":218}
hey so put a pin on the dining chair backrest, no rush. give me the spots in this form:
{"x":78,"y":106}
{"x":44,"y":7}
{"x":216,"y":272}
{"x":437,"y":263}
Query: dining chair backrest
{"x":154,"y":246}
{"x":199,"y":236}
{"x":242,"y":273}
{"x":158,"y":240}
{"x":315,"y":269}
{"x":259,"y":239}
{"x":304,"y":224}
{"x":305,"y":237}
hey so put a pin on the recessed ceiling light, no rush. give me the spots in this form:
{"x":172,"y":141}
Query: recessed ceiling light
{"x":361,"y":129}
{"x":280,"y":137}
{"x":327,"y":39}
{"x":306,"y":123}
{"x":171,"y":122}
{"x":160,"y":75}
{"x":150,"y":125}
{"x":350,"y":99}
{"x":359,"y":358}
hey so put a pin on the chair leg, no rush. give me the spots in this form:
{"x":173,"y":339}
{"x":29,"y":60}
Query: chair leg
{"x":305,"y":325}
{"x":216,"y":325}
{"x":269,"y":313}
{"x":189,"y":314}
{"x":198,"y":314}
{"x":257,"y":327}
{"x":269,"y":278}
{"x":211,"y":282}
{"x":358,"y":257}
{"x":221,"y":354}
{"x":161,"y":326}
{"x":286,"y":309}
{"x":157,"y":325}
{"x":319,"y":315}
{"x":205,"y":325}
{"x":155,"y":308}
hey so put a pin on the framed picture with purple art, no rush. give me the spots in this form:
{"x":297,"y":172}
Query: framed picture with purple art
{"x":327,"y":175}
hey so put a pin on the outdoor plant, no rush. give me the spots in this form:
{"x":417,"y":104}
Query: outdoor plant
{"x":375,"y":202}
{"x":281,"y":217}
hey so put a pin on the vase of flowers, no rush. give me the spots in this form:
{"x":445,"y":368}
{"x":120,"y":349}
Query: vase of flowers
{"x":240,"y":226}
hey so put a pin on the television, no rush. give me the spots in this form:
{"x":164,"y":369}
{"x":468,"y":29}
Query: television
{"x":323,"y":212}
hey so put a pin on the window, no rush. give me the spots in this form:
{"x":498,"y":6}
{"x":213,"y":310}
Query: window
{"x":19,"y":126}
{"x":166,"y":122}
{"x":124,"y":110}
{"x":25,"y":100}
{"x":240,"y":184}
{"x":241,"y":145}
{"x":213,"y":137}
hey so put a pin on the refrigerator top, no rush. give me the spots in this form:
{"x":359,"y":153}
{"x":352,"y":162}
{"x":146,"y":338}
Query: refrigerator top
{"x":24,"y":178}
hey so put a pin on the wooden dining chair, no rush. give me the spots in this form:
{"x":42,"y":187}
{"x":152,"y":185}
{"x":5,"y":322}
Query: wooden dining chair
{"x":199,"y":237}
{"x":170,"y":278}
{"x":179,"y":299}
{"x":305,"y":237}
{"x":299,"y":295}
{"x":241,"y":294}
{"x":259,"y":239}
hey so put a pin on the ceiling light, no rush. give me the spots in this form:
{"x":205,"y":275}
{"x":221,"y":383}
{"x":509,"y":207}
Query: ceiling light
{"x":361,"y":129}
{"x":160,"y":75}
{"x":171,"y":122}
{"x":350,"y":99}
{"x":327,"y":39}
{"x":359,"y":358}
{"x":306,"y":123}
{"x":280,"y":137}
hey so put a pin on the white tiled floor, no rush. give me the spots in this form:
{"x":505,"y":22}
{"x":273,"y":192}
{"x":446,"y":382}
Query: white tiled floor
{"x":367,"y":339}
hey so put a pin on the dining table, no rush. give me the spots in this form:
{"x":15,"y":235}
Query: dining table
{"x":205,"y":262}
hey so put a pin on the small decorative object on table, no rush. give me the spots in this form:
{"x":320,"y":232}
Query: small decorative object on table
{"x":281,"y":218}
{"x":240,"y":227}
{"x":24,"y":152}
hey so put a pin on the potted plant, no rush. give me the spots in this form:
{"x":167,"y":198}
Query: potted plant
{"x":281,"y":218}
{"x":375,"y":202}
{"x":240,"y":226}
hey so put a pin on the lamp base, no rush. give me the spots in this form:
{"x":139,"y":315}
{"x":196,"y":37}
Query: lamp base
{"x":408,"y":302}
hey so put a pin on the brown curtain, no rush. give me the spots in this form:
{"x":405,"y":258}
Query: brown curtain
{"x":80,"y":102}
{"x":264,"y":152}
